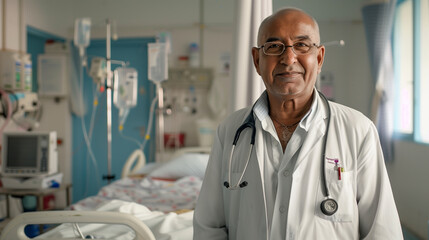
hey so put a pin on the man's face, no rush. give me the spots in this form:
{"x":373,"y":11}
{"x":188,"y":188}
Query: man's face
{"x":289,"y":75}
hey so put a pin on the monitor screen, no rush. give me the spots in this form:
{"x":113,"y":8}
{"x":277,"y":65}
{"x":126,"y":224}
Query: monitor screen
{"x":22,"y":151}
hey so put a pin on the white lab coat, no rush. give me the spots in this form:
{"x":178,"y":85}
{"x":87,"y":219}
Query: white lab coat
{"x":366,"y":208}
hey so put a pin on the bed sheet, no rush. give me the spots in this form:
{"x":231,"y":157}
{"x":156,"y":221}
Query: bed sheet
{"x":164,"y":226}
{"x":155,"y":194}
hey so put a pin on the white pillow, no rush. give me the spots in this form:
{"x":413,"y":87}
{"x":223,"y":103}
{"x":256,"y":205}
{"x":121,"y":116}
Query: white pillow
{"x":189,"y":164}
{"x":148,"y":168}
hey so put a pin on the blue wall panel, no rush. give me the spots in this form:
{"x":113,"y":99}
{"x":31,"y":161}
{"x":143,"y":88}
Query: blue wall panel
{"x":133,"y":51}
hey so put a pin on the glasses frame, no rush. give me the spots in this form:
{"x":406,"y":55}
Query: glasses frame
{"x":285,"y":47}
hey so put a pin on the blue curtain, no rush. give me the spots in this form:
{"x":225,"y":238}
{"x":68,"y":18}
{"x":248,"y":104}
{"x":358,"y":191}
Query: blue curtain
{"x":378,"y":22}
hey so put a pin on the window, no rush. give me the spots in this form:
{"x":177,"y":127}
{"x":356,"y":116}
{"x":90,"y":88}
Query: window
{"x":411,"y":58}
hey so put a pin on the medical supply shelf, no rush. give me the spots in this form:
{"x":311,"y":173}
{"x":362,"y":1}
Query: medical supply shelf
{"x":38,"y":193}
{"x":185,"y":77}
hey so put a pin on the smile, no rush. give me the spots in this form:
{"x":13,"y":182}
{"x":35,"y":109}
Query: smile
{"x":288,"y":75}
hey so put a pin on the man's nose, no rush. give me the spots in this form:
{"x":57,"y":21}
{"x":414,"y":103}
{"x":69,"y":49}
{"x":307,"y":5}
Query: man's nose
{"x":288,"y":57}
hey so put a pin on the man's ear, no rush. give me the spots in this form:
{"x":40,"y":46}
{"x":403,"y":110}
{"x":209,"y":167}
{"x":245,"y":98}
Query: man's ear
{"x":255,"y":55}
{"x":320,"y":58}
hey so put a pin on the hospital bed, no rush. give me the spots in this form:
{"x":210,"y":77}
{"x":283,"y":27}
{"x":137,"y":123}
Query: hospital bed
{"x":15,"y":229}
{"x":160,"y":196}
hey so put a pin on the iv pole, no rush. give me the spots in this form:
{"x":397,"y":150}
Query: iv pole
{"x":109,"y":175}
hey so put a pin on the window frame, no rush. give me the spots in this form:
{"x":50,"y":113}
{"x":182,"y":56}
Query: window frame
{"x":415,"y":135}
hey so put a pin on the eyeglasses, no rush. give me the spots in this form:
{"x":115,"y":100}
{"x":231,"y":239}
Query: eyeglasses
{"x":278,"y":48}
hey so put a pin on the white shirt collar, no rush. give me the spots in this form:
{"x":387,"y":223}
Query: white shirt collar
{"x":261,"y":110}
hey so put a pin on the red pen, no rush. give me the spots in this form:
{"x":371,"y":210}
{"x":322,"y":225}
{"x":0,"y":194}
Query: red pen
{"x":339,"y":173}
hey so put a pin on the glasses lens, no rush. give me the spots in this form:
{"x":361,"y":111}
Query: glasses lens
{"x":301,"y":48}
{"x":273,"y":48}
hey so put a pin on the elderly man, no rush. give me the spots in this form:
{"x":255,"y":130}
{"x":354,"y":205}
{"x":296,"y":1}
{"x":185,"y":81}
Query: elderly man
{"x":301,"y":167}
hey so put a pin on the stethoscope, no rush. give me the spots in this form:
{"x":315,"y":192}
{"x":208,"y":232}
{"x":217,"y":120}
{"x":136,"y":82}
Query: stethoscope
{"x":328,"y":206}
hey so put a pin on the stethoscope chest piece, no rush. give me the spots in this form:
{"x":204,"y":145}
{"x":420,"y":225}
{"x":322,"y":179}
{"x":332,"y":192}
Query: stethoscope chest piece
{"x":329,"y":206}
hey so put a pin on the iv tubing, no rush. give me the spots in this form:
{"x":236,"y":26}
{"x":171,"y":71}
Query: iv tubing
{"x":85,"y":134}
{"x":91,"y":129}
{"x":149,"y":127}
{"x":131,"y":139}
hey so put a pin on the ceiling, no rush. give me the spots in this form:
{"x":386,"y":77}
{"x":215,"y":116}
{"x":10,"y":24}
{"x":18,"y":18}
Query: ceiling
{"x":59,"y":15}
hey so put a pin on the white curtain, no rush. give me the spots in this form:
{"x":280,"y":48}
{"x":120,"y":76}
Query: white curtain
{"x":378,"y":20}
{"x":246,"y":84}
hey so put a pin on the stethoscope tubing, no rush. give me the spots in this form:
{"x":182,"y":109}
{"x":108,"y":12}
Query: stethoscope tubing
{"x":230,"y":162}
{"x":238,"y":184}
{"x":325,"y":185}
{"x":250,"y":122}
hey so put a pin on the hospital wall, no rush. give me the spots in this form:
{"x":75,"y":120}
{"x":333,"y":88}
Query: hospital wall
{"x":409,"y":178}
{"x":347,"y":65}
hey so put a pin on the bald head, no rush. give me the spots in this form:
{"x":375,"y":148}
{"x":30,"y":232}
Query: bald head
{"x":288,"y":14}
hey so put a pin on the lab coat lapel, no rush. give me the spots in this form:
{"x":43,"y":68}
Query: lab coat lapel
{"x":260,"y":151}
{"x":315,"y":136}
{"x":315,"y":133}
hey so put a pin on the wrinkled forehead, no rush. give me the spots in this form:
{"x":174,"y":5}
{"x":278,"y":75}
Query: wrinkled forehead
{"x":290,"y":23}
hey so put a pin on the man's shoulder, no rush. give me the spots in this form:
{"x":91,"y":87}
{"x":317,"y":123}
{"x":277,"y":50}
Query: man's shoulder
{"x":234,"y":120}
{"x":348,"y":114}
{"x":236,"y":117}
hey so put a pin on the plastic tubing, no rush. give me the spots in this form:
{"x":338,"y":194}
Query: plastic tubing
{"x":91,"y":129}
{"x":85,"y":134}
{"x":149,"y":126}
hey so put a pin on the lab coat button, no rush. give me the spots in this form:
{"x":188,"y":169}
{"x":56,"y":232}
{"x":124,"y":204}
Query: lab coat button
{"x":282,"y":209}
{"x":286,"y":173}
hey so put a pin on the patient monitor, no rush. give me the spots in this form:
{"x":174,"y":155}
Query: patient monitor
{"x":29,"y":154}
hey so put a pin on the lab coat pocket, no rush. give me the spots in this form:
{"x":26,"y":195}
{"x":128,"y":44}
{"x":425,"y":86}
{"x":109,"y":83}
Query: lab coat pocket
{"x":342,"y":191}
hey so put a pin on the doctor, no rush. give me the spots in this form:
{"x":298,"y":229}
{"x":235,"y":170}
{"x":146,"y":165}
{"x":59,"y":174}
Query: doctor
{"x":315,"y":171}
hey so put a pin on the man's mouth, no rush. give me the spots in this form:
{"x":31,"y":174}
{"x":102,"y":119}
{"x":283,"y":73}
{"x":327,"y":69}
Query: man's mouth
{"x":288,"y":74}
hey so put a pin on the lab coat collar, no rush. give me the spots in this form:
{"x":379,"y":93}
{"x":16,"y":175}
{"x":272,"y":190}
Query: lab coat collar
{"x":310,"y":115}
{"x":261,"y":110}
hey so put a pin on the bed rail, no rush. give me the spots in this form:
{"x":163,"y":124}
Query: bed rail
{"x":15,"y":228}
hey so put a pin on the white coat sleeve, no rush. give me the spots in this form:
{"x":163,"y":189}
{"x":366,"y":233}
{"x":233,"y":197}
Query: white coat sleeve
{"x":378,"y":217}
{"x":209,"y":219}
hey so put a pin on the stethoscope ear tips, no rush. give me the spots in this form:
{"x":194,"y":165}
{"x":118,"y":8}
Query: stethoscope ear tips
{"x":243,"y":184}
